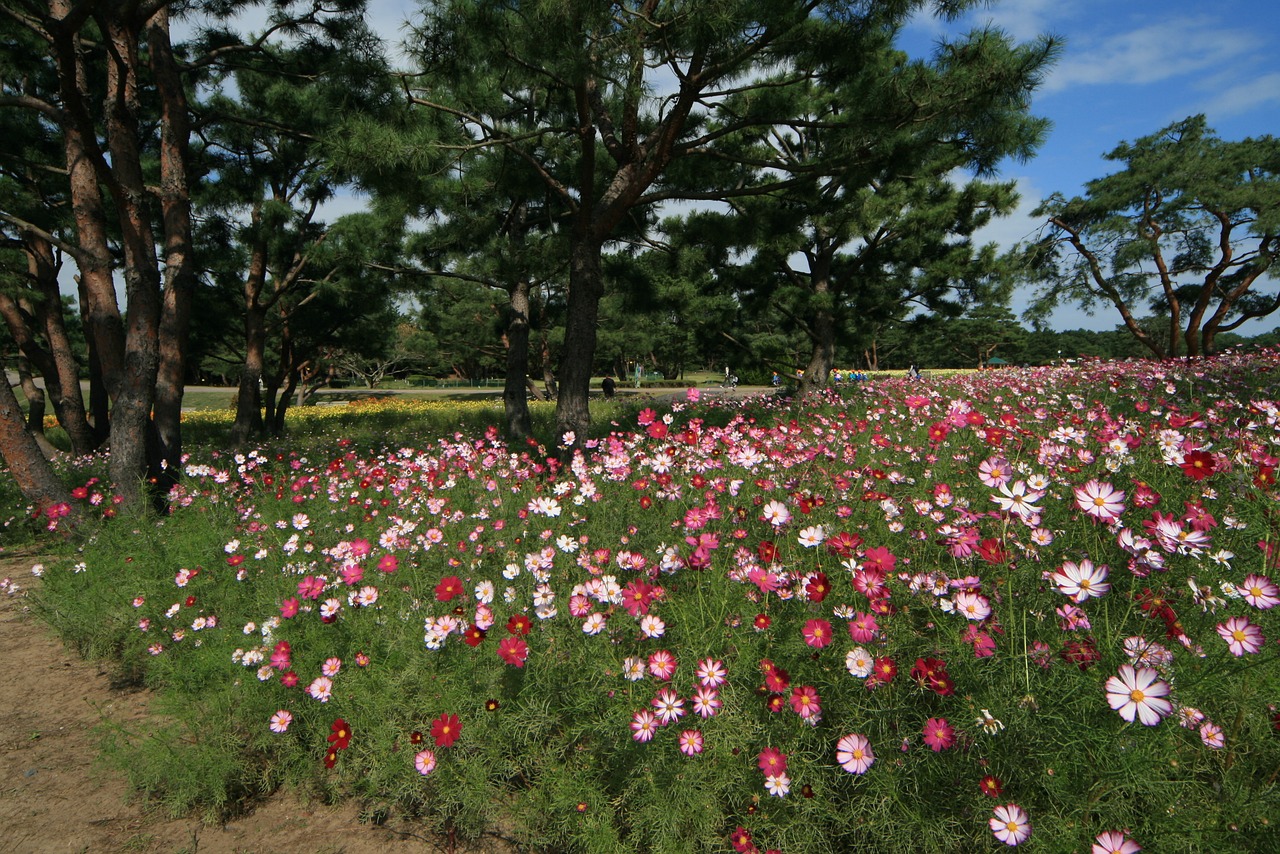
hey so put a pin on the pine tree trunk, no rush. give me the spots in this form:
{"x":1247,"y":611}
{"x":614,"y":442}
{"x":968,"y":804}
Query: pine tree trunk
{"x":823,"y":333}
{"x":179,"y":262}
{"x":515,"y":397}
{"x":27,"y":465}
{"x":586,"y":286}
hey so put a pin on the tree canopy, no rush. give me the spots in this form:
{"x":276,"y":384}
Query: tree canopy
{"x":1186,"y":231}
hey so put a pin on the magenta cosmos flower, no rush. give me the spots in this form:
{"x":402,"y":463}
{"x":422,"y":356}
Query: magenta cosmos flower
{"x":1241,"y":636}
{"x":817,"y":633}
{"x":1010,"y":824}
{"x":939,"y":734}
{"x":1100,"y":500}
{"x":1114,"y":842}
{"x":854,"y":754}
{"x":1139,"y":692}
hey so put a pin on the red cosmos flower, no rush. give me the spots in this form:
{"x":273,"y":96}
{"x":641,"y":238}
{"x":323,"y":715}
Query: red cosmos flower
{"x":991,"y":786}
{"x":1082,"y":653}
{"x":449,"y":587}
{"x":1265,"y":478}
{"x":340,"y":738}
{"x":883,"y":672}
{"x":415,"y":737}
{"x":992,"y":551}
{"x":513,"y":650}
{"x":519,"y":624}
{"x":931,"y":673}
{"x":1198,"y":465}
{"x":938,"y":431}
{"x":817,"y":587}
{"x":645,"y":502}
{"x":768,"y":551}
{"x":331,"y":758}
{"x":446,"y":729}
{"x":740,"y":839}
{"x":473,"y":636}
{"x":762,"y":622}
{"x":843,"y":544}
{"x":777,"y":679}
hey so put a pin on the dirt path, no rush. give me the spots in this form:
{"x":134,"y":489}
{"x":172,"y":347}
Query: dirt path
{"x":55,"y":797}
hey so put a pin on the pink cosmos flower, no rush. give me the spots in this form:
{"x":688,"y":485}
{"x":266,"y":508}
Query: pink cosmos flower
{"x":805,"y":701}
{"x":310,"y":587}
{"x":321,"y":688}
{"x":289,"y":608}
{"x":425,"y":762}
{"x":711,"y":673}
{"x":1010,"y":824}
{"x":772,"y":761}
{"x":668,"y":706}
{"x":331,"y":667}
{"x":644,"y":724}
{"x":1100,"y":500}
{"x":939,"y":734}
{"x":1082,"y":580}
{"x":662,"y":664}
{"x":853,"y":753}
{"x":1241,"y":636}
{"x":1260,"y":592}
{"x":817,"y":633}
{"x":1211,"y":735}
{"x":1139,"y":693}
{"x":863,"y":627}
{"x":280,"y":721}
{"x":706,"y":702}
{"x":690,"y":742}
{"x":1114,"y":842}
{"x":974,"y":606}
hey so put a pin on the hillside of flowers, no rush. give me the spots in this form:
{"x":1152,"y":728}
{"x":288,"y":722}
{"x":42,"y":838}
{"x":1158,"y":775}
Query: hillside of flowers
{"x":1030,"y":608}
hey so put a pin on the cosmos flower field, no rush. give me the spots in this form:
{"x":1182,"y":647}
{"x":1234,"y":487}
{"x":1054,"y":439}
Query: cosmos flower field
{"x":1030,"y":608}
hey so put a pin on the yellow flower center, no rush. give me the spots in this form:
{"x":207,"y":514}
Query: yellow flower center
{"x":1239,"y":636}
{"x":857,"y":754}
{"x":1137,"y":696}
{"x":1011,"y":826}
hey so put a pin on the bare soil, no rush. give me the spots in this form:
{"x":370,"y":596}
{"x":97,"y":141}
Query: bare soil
{"x":56,"y":797}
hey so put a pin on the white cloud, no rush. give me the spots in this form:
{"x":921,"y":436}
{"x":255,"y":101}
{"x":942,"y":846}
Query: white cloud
{"x":1240,"y":98}
{"x":1160,"y":51}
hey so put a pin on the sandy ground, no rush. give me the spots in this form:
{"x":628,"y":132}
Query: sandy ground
{"x":55,"y":796}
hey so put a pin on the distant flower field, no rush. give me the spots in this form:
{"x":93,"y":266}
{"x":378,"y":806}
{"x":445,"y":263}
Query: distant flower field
{"x":1018,"y":608}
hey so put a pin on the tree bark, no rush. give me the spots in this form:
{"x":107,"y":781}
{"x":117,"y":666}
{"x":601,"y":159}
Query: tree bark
{"x":249,"y":395}
{"x":823,"y":332}
{"x":586,"y":286}
{"x":135,"y":452}
{"x":515,"y":397}
{"x":28,"y":466}
{"x":179,"y":262}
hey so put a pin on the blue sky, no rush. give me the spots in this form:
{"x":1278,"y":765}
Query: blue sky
{"x":1127,"y":70}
